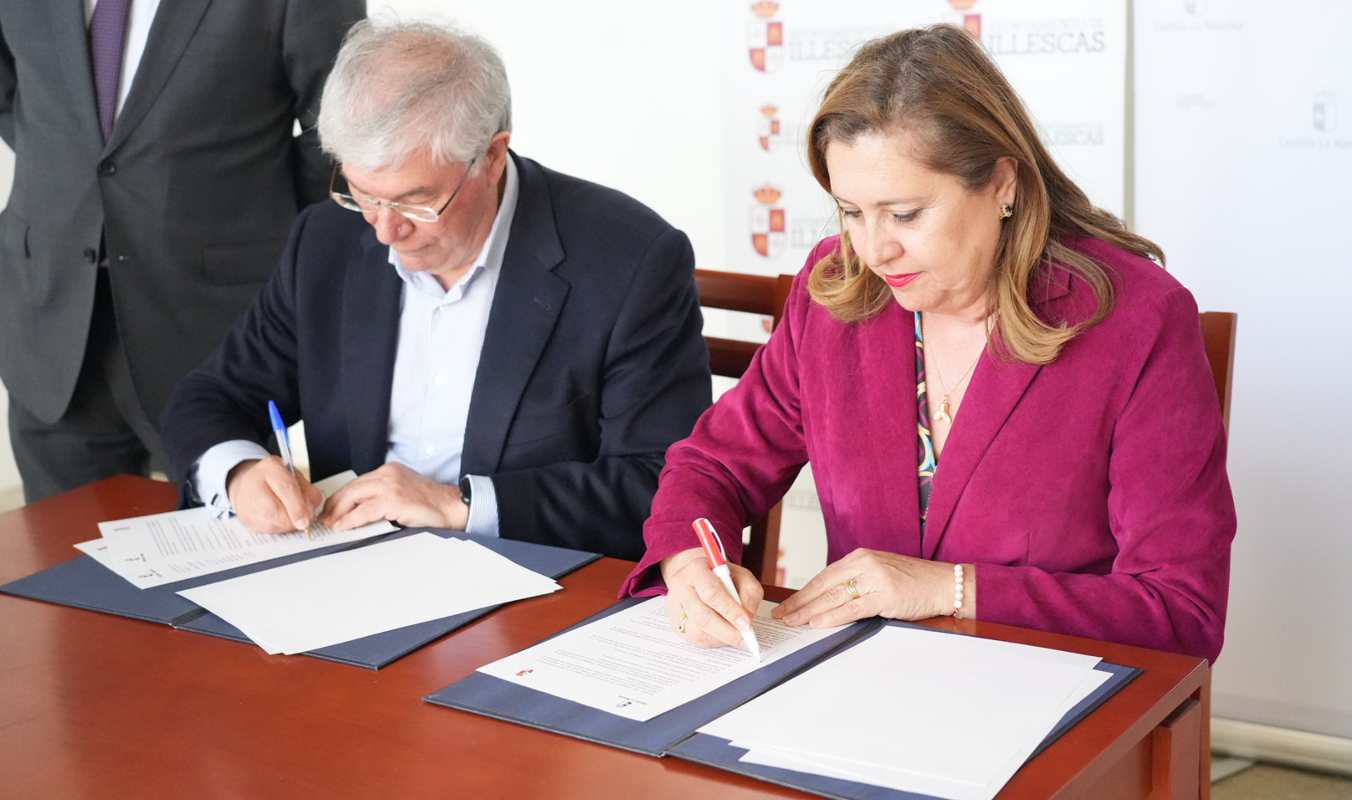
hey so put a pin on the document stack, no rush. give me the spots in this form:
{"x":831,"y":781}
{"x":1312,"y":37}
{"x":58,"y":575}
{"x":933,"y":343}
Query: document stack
{"x":914,"y":710}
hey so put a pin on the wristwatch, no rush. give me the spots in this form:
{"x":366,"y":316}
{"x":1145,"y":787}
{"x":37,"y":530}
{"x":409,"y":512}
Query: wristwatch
{"x":465,"y":489}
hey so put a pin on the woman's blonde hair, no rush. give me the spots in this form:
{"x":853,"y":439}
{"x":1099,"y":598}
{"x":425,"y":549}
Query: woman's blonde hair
{"x":939,"y":86}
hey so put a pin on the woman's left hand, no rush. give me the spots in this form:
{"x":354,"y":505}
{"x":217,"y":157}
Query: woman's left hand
{"x":873,"y":583}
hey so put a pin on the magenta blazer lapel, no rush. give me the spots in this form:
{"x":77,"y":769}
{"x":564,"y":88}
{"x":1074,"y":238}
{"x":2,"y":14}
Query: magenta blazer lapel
{"x":998,"y":385}
{"x":872,"y":440}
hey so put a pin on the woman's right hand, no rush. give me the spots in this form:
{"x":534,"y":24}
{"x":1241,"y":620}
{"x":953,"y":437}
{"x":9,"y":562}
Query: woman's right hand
{"x":700,"y":608}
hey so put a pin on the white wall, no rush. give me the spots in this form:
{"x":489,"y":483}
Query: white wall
{"x":9,"y":473}
{"x":1244,"y":156}
{"x":605,"y":91}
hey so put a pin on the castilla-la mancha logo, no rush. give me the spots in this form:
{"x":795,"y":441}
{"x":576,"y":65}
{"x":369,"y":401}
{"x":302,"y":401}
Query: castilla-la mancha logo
{"x":769,"y":222}
{"x":769,"y":129}
{"x":1325,"y":116}
{"x":970,"y":22}
{"x":765,"y":36}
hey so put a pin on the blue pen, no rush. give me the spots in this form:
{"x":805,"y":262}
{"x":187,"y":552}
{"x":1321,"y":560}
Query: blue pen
{"x":283,"y":443}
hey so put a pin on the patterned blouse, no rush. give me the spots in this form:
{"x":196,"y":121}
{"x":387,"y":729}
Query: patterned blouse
{"x":928,"y":460}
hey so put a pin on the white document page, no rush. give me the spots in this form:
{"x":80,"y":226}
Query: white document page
{"x":632,"y":664}
{"x":882,"y":775}
{"x":814,"y":764}
{"x":344,"y":596}
{"x":954,"y":715}
{"x":164,"y":548}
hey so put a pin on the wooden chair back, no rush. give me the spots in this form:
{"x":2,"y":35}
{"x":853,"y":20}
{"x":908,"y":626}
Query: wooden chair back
{"x":1218,"y":334}
{"x":756,"y":294}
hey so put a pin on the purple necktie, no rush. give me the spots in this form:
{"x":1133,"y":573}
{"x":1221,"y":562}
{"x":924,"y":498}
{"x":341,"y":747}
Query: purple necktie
{"x":107,"y":37}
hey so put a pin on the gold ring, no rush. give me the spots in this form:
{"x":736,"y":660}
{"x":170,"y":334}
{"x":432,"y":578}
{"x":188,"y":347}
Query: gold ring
{"x":680,"y":626}
{"x":852,"y":587}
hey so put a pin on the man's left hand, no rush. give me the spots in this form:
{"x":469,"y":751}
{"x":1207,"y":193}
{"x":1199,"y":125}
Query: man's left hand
{"x":398,"y":494}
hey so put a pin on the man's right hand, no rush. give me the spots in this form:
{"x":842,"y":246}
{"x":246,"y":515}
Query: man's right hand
{"x":269,"y":498}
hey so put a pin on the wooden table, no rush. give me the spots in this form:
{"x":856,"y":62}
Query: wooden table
{"x":93,"y":705}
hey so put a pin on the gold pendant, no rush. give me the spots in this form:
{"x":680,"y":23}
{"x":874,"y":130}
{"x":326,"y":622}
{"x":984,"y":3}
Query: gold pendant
{"x":944,"y":415}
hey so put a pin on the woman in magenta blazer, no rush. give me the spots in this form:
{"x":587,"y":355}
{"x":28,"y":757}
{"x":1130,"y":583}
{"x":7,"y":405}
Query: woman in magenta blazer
{"x":1004,"y":396}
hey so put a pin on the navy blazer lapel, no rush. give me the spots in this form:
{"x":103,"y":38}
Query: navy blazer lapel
{"x":371,"y":296}
{"x":526,"y":304}
{"x":997,"y":387}
{"x":173,"y":27}
{"x":71,"y":35}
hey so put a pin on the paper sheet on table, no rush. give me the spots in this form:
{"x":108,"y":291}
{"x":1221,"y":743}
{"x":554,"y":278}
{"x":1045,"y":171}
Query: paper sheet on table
{"x":952,"y":715}
{"x":632,"y":664}
{"x":344,"y":596}
{"x":164,"y":548}
{"x":882,"y":775}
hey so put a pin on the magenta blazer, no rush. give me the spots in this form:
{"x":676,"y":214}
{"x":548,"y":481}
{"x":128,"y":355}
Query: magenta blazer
{"x":1091,"y":494}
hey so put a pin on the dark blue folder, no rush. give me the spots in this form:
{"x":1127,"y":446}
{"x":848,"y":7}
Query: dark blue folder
{"x":84,"y":583}
{"x":494,"y":697}
{"x":674,"y":733}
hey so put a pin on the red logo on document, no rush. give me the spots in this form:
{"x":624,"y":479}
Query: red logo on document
{"x":765,"y":37}
{"x":769,"y":223}
{"x":521,"y":673}
{"x":770,"y":127}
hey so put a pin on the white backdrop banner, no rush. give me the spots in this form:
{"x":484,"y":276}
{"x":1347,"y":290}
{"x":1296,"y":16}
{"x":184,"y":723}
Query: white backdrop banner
{"x":1066,"y":58}
{"x":1244,"y":156}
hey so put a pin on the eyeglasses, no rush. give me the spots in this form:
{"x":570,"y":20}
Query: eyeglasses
{"x":364,"y":203}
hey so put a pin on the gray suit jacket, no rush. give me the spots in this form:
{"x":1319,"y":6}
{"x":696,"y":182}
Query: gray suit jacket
{"x":193,"y":193}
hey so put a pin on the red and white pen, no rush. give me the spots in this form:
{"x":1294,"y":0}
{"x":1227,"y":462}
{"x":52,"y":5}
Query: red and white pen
{"x":718,"y":564}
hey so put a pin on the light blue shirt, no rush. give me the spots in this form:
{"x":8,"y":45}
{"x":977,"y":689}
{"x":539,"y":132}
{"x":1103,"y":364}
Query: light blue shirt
{"x":441,"y":335}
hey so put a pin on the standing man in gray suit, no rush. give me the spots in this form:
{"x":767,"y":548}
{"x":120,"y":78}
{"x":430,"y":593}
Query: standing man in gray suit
{"x":156,"y":176}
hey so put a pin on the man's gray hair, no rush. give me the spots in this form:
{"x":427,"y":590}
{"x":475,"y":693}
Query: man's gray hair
{"x":400,"y":87}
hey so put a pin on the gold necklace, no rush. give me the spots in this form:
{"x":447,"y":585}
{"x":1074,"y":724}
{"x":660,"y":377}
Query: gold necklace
{"x":945,"y":414}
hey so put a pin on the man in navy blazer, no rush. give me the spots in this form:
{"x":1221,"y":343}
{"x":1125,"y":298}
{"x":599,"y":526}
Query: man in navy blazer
{"x":493,"y":346}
